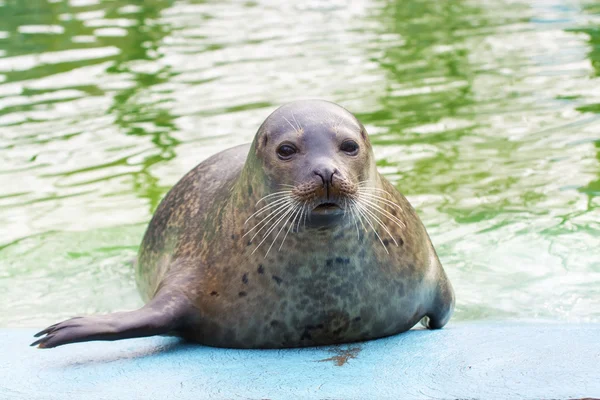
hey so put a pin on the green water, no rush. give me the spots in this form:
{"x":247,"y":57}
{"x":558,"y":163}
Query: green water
{"x":486,"y":114}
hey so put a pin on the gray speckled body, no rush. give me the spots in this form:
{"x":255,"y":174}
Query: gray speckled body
{"x":334,"y":280}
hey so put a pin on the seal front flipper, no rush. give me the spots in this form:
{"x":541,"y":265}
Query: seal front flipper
{"x":165,"y":313}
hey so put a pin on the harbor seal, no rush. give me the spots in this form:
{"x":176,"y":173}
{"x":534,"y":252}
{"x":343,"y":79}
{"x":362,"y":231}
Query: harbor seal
{"x":294,"y":240}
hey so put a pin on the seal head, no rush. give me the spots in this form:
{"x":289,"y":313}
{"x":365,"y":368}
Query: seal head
{"x":318,"y":153}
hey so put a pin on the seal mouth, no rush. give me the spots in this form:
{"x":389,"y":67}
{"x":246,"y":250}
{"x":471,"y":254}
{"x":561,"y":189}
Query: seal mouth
{"x":327,"y":209}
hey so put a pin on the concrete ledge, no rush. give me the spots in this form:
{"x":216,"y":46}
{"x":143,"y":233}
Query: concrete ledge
{"x":462,"y":361}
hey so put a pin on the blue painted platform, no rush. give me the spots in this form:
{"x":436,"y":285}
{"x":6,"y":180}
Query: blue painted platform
{"x":462,"y":361}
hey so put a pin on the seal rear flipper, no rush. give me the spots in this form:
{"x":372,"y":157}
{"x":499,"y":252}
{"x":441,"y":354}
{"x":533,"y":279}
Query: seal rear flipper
{"x":162,"y":315}
{"x":442,"y":306}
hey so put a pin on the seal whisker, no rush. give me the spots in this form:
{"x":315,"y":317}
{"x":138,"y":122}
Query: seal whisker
{"x":290,"y":213}
{"x":297,"y":123}
{"x":284,"y":212}
{"x":271,"y":204}
{"x":360,"y":219}
{"x":380,"y":222}
{"x":377,"y":200}
{"x":354,"y":219}
{"x":264,"y":222}
{"x":363,"y":183}
{"x":276,"y":194}
{"x":378,"y":208}
{"x":273,"y":227}
{"x":368,"y":189}
{"x":305,"y":216}
{"x":374,"y":188}
{"x":383,"y":199}
{"x":301,"y":215}
{"x":293,"y":127}
{"x":291,"y":221}
{"x":360,"y":210}
{"x":379,"y":211}
{"x":268,"y":206}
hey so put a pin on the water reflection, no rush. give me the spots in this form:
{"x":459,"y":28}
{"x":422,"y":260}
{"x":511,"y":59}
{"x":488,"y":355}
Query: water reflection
{"x":593,"y":188}
{"x":88,"y":63}
{"x":429,"y":81}
{"x":139,"y":111}
{"x":479,"y":125}
{"x":486,"y":114}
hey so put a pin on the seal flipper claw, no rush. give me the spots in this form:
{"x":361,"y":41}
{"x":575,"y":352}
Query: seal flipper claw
{"x":51,"y":327}
{"x":160,"y":316}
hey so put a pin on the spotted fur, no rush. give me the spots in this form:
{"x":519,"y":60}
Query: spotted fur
{"x":333,"y":282}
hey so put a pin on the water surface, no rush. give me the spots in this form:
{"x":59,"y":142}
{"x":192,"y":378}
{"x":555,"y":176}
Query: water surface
{"x":486,"y":114}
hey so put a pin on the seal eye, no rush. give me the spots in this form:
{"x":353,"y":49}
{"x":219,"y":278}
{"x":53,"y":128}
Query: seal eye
{"x":350,"y":147}
{"x":286,"y":151}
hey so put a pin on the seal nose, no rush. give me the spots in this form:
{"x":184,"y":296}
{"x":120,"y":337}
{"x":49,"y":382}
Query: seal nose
{"x":326,"y":175}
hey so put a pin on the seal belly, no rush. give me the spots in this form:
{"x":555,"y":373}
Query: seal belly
{"x":298,"y":300}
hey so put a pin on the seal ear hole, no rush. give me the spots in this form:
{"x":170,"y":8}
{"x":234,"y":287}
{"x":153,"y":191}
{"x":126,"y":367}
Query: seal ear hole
{"x":265,"y":140}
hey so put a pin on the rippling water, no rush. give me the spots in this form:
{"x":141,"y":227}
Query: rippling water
{"x":486,"y":114}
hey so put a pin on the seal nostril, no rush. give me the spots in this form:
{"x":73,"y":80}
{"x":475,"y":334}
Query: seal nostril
{"x":320,"y":176}
{"x":335,"y":171}
{"x":326,"y":175}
